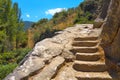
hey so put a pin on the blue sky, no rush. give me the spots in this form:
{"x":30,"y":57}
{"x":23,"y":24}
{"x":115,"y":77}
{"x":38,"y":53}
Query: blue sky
{"x":34,"y":10}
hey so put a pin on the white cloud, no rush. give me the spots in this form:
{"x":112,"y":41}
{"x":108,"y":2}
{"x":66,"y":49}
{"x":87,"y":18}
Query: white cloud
{"x":53,"y":11}
{"x":36,"y":16}
{"x":27,"y":15}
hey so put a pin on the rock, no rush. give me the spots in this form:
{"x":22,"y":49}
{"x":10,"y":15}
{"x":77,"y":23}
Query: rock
{"x":104,"y":11}
{"x":98,"y":23}
{"x":111,"y":31}
{"x":49,"y":71}
{"x":66,"y":73}
{"x":47,"y":49}
{"x":69,"y":56}
{"x":26,"y":69}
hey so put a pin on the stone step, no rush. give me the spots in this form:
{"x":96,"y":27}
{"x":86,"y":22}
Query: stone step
{"x":85,"y":38}
{"x":93,"y":76}
{"x":88,"y":56}
{"x":85,"y":49}
{"x":85,"y":43}
{"x":89,"y":66}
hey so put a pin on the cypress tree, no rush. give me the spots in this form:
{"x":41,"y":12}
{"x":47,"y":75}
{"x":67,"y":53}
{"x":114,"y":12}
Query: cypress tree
{"x":11,"y":26}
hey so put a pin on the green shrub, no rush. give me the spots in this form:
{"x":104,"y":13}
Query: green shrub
{"x":9,"y":60}
{"x":20,"y":54}
{"x":6,"y":69}
{"x":7,"y":57}
{"x":86,"y":18}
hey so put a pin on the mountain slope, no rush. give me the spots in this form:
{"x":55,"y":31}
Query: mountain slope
{"x":28,"y":24}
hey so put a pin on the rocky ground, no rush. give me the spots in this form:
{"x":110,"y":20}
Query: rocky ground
{"x":73,"y":54}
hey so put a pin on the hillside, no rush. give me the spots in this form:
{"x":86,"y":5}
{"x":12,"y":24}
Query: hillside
{"x":86,"y":12}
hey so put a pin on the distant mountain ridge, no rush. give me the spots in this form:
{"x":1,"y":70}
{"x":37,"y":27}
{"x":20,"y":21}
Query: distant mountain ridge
{"x":28,"y":24}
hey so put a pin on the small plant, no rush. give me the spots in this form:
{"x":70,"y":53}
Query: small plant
{"x":6,"y":69}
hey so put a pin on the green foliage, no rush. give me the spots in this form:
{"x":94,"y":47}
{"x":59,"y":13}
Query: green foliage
{"x":87,"y":18}
{"x":47,"y":34}
{"x":59,"y":17}
{"x":91,"y":5}
{"x":6,"y":69}
{"x":11,"y":26}
{"x":36,"y":36}
{"x":42,"y":21}
{"x":7,"y":58}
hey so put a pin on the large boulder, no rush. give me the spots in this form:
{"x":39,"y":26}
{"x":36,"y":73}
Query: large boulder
{"x":109,"y":21}
{"x":111,"y":31}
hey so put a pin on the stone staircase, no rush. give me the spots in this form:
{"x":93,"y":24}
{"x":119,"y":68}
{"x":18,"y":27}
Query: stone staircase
{"x":90,"y":60}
